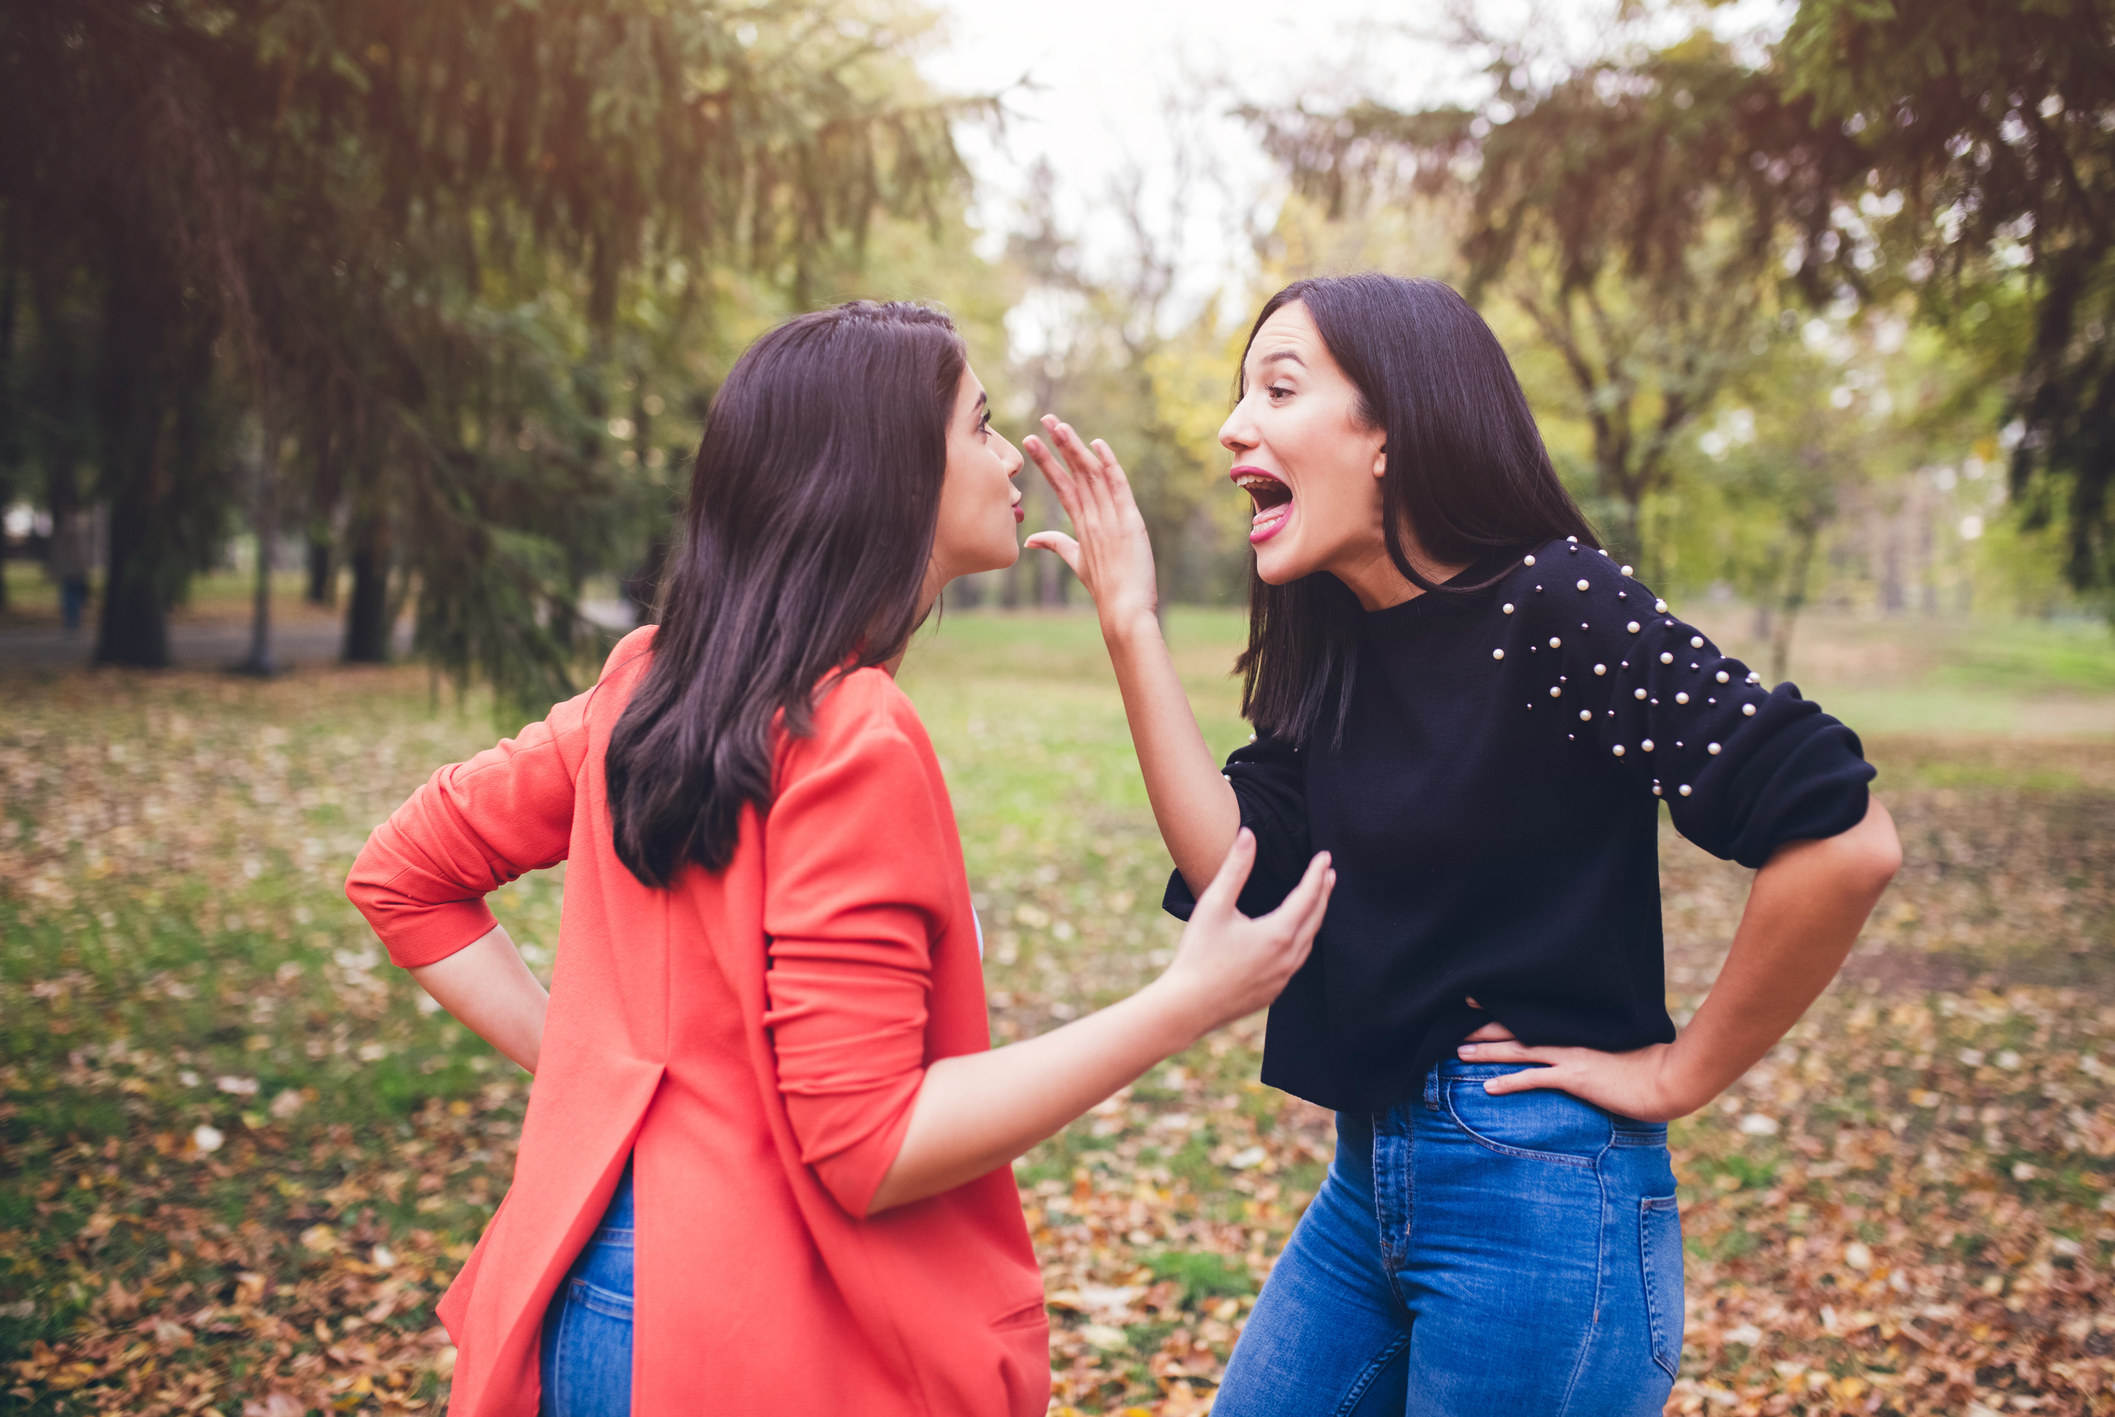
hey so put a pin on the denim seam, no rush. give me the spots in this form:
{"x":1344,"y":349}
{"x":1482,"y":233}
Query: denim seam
{"x":1390,"y":1252}
{"x":597,"y":1300}
{"x":1593,"y":1332}
{"x":1655,"y":1302}
{"x":553,"y":1379}
{"x":1582,"y":1162}
{"x":1366,"y":1379}
{"x":1645,"y":1139}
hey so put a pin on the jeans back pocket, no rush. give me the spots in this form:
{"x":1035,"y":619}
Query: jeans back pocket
{"x":1660,"y":1249}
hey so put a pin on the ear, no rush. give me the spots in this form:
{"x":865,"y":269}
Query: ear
{"x":1380,"y":459}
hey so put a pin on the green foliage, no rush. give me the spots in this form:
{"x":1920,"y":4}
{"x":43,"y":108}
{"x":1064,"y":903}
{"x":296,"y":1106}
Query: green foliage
{"x":430,"y":254}
{"x":1635,"y":211}
{"x":1987,"y":128}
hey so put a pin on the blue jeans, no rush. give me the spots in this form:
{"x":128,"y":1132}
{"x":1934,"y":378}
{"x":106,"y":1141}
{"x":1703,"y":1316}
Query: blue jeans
{"x":1469,"y":1256}
{"x":587,"y":1331}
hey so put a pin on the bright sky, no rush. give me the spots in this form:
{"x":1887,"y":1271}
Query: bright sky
{"x":1106,"y":76}
{"x":1146,"y":85}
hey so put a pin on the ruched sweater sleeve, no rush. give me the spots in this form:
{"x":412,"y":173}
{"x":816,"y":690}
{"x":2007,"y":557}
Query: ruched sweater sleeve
{"x":423,"y":876}
{"x":1270,"y":784}
{"x":861,"y":870}
{"x":1600,"y":658}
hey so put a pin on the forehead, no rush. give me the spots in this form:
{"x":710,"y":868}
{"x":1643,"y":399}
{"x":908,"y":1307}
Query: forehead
{"x":1290,"y":330}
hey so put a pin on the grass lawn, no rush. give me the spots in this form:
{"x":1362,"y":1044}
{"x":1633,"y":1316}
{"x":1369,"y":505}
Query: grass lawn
{"x":238,"y":1162}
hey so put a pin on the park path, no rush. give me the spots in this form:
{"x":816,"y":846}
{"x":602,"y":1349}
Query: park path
{"x":41,"y":648}
{"x":300,"y":640}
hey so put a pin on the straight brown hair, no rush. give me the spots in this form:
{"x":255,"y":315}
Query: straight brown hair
{"x":813,"y":505}
{"x":1466,"y":473}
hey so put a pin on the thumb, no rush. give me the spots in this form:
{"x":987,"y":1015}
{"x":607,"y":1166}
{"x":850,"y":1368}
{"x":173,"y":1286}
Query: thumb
{"x":1067,"y":549}
{"x":1219,"y":897}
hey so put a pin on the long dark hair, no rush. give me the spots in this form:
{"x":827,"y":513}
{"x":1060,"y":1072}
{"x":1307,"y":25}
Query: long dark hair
{"x":1466,"y":473}
{"x":812,"y":510}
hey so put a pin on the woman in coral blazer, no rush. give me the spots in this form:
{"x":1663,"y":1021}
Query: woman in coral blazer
{"x":764,"y":1166}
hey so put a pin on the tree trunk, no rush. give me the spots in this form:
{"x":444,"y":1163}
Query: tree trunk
{"x":322,"y":570}
{"x":133,"y":628}
{"x":265,"y":521}
{"x":367,"y":627}
{"x":1795,"y":598}
{"x":134,"y":625}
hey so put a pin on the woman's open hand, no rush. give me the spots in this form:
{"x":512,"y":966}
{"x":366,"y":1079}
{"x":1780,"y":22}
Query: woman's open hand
{"x":1644,"y":1083}
{"x":1113,"y":556}
{"x":1229,"y":965}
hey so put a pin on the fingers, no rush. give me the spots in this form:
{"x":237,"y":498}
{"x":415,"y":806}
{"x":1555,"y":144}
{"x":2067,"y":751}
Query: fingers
{"x":1225,"y":889}
{"x":1095,"y":470}
{"x":1493,"y":1032}
{"x":1055,"y":473}
{"x":1506,"y":1050}
{"x":1066,"y":548}
{"x":1311,"y":924}
{"x":1531,"y":1080}
{"x":1300,"y":901}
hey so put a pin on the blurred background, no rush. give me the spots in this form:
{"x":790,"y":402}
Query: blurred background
{"x":362,"y":349}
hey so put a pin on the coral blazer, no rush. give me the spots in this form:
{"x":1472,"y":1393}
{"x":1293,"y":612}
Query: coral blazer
{"x":753,"y":1041}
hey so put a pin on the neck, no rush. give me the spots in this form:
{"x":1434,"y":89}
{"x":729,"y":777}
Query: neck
{"x":1377,"y":583}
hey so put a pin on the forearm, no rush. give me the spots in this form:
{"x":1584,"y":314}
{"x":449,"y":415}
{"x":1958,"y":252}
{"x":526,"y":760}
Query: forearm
{"x":1804,"y":913}
{"x":486,"y":988}
{"x":977,"y":1112}
{"x":1193,"y":804}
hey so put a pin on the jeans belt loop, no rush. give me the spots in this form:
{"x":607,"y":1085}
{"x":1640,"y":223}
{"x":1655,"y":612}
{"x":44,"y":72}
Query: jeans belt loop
{"x":1432,"y":1087}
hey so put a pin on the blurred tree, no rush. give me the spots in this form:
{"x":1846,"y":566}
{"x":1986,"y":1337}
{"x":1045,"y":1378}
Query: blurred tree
{"x":449,"y":254}
{"x":1986,"y":132}
{"x":1637,"y":211}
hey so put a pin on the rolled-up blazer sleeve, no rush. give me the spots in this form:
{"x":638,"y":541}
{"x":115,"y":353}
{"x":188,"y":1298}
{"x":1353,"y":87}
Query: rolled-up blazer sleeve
{"x":859,"y":881}
{"x":423,"y":876}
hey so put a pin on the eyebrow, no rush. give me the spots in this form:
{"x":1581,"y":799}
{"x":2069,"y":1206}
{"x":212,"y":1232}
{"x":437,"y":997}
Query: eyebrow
{"x":978,"y":407}
{"x":1278,"y":356}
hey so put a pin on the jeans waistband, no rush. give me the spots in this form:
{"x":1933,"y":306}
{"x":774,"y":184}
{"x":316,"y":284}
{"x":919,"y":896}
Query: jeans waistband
{"x":1452,"y":1070}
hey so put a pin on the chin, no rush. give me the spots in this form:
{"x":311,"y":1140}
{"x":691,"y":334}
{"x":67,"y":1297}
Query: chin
{"x":1000,"y":558}
{"x":1278,"y":566}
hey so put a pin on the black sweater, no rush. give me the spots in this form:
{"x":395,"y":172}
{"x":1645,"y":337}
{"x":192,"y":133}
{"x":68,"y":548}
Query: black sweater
{"x":1493,"y":815}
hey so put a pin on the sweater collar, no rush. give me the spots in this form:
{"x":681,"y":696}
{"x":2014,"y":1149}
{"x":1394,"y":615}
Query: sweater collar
{"x":1399,"y":619}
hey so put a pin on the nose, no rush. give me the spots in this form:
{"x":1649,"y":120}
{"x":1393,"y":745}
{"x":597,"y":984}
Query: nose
{"x":1238,"y":434}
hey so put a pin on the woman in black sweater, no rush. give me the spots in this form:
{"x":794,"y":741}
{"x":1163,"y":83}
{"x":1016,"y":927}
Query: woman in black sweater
{"x":1457,"y":693}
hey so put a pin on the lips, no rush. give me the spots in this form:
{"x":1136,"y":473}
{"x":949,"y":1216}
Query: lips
{"x":1273,"y":499}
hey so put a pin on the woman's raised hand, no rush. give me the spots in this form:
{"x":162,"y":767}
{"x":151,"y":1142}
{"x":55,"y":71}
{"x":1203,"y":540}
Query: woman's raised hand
{"x":1230,"y":965}
{"x":1112,"y":557}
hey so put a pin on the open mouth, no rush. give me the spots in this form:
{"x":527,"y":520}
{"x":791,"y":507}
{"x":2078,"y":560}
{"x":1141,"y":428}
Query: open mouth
{"x":1273,"y":499}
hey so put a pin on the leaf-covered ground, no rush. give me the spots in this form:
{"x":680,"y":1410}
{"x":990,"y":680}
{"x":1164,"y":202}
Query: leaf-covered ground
{"x":238,"y":1162}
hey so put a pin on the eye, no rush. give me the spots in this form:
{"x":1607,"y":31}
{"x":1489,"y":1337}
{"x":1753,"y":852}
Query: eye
{"x":1278,"y":391}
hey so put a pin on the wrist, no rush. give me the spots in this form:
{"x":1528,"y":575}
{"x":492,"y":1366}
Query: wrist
{"x":1127,"y":629}
{"x":1686,"y":1084}
{"x":1180,"y":1013}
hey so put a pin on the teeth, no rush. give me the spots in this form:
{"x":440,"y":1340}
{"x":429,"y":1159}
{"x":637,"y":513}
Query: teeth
{"x":1255,"y":480}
